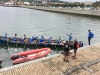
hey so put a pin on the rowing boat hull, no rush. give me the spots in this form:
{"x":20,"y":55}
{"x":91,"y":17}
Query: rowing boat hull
{"x":28,"y":45}
{"x":32,"y":55}
{"x":31,"y":46}
{"x":25,"y":53}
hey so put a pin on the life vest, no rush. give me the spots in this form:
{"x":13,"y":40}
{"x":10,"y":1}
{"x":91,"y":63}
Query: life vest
{"x":14,"y":39}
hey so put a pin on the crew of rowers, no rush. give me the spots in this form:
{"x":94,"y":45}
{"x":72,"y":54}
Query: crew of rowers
{"x":33,"y":40}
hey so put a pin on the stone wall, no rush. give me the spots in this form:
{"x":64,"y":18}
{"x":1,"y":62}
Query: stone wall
{"x":66,"y":10}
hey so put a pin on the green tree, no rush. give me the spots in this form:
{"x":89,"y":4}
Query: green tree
{"x":95,"y":4}
{"x":82,"y":5}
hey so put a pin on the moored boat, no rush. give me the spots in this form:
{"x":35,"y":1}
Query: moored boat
{"x":37,"y":44}
{"x":31,"y":55}
{"x":54,"y":46}
{"x":25,"y":53}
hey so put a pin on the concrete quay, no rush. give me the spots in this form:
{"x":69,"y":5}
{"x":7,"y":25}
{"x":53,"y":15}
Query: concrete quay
{"x":87,"y":63}
{"x":66,"y":10}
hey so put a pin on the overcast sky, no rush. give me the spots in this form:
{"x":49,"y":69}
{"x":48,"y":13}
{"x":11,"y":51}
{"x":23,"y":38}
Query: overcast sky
{"x":80,"y":0}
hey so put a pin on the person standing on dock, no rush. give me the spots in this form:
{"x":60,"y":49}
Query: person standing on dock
{"x":76,"y":45}
{"x":66,"y":51}
{"x":75,"y":48}
{"x":90,"y":35}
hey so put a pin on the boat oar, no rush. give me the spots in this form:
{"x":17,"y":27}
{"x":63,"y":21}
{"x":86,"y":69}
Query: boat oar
{"x":16,"y":47}
{"x":7,"y":47}
{"x":25,"y":45}
{"x":45,"y":45}
{"x":56,"y":48}
{"x":36,"y":44}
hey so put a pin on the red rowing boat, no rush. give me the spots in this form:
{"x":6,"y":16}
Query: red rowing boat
{"x":31,"y":55}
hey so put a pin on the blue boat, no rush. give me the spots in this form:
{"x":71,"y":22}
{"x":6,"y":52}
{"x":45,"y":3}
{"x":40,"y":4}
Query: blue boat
{"x":10,"y":43}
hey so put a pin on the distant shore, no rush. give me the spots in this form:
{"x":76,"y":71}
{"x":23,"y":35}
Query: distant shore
{"x":95,"y":13}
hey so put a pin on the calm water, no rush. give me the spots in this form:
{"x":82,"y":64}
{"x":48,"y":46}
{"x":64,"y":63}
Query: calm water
{"x":34,"y":22}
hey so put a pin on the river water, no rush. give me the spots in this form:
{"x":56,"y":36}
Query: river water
{"x":35,"y":22}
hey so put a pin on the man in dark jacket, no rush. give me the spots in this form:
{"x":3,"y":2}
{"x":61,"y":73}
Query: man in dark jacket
{"x":75,"y":48}
{"x":66,"y":51}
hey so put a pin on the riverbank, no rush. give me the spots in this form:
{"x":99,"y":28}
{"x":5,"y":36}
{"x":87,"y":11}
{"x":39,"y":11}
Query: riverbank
{"x":67,"y":10}
{"x":87,"y":62}
{"x":84,"y":12}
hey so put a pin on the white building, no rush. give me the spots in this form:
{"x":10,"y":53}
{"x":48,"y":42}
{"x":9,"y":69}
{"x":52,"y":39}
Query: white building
{"x":26,"y":3}
{"x":8,"y":3}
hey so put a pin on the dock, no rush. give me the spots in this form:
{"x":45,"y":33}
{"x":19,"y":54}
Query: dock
{"x":87,"y":63}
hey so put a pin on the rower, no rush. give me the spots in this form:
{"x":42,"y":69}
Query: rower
{"x":33,"y":40}
{"x":23,"y":39}
{"x":53,"y":42}
{"x":49,"y":40}
{"x":15,"y":38}
{"x":59,"y":41}
{"x":42,"y":41}
{"x":5,"y":37}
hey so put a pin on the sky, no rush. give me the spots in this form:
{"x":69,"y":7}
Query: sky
{"x":80,"y":0}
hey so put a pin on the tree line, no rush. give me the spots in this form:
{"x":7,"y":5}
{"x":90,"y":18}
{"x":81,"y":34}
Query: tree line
{"x":95,"y":4}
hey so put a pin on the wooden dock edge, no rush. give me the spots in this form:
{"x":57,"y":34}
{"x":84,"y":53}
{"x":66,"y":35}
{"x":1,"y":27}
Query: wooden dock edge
{"x":29,"y":62}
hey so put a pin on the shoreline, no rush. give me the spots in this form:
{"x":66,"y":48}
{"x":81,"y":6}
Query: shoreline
{"x":82,"y":12}
{"x":94,"y":13}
